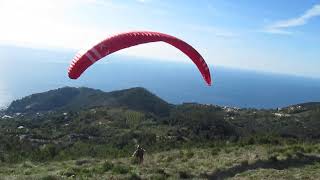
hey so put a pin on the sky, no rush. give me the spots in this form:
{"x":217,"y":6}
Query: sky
{"x":269,"y":36}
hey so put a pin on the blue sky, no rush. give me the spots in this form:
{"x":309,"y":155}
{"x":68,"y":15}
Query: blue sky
{"x":271,"y":35}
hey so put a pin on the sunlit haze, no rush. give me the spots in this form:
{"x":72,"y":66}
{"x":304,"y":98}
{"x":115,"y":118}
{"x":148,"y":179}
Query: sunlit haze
{"x":270,"y":36}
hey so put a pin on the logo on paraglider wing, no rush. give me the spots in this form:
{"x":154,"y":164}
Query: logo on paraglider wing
{"x":104,"y":49}
{"x":96,"y":53}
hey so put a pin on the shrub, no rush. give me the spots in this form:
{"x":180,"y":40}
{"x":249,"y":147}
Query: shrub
{"x":215,"y":151}
{"x":107,"y":166}
{"x":68,"y":173}
{"x":189,"y":154}
{"x":27,"y":164}
{"x":134,"y":176}
{"x":81,"y":162}
{"x":184,"y":175}
{"x":50,"y":177}
{"x":120,"y":169}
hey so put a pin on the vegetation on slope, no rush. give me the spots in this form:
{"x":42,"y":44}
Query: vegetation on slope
{"x":86,"y":133}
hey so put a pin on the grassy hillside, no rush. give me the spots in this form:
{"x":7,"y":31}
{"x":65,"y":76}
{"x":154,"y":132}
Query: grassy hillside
{"x":86,"y":133}
{"x":299,"y":161}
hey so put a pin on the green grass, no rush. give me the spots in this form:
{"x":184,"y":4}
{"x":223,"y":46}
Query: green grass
{"x":296,"y":161}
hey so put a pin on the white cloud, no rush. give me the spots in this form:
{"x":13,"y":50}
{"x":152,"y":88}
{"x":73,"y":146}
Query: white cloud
{"x":280,"y":27}
{"x":276,"y":31}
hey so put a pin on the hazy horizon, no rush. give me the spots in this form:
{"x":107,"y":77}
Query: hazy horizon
{"x":33,"y":71}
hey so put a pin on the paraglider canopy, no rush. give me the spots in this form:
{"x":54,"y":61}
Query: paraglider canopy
{"x":115,"y":43}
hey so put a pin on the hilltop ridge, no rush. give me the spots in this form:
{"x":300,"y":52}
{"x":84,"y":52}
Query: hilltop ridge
{"x":70,"y":98}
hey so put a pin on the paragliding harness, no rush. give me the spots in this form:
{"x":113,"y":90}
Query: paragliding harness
{"x":138,"y":154}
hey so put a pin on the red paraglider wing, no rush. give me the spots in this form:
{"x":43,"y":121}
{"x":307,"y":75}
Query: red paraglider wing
{"x":115,"y":43}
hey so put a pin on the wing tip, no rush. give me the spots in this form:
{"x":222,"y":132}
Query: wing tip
{"x":209,"y":83}
{"x":72,"y":75}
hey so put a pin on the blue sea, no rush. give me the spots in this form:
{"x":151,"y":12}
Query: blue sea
{"x":24,"y":71}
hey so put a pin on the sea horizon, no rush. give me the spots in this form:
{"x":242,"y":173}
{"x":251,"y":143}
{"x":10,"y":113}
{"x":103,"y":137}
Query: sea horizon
{"x":27,"y":71}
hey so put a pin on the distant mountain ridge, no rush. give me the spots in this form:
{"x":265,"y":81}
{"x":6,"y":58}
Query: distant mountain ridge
{"x":70,"y":98}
